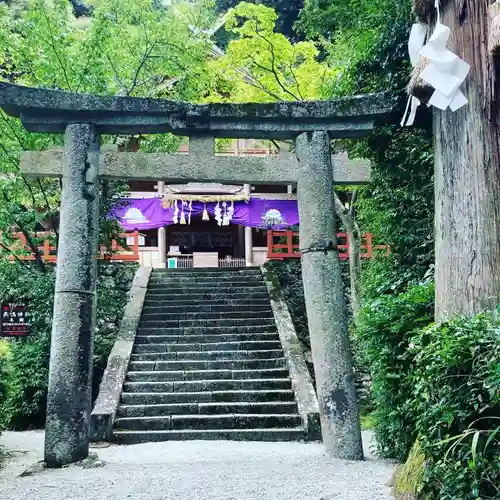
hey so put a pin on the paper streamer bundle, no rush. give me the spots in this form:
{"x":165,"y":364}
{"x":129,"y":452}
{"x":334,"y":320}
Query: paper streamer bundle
{"x":442,"y":70}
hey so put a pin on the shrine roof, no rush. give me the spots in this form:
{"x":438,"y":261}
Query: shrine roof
{"x":46,"y":110}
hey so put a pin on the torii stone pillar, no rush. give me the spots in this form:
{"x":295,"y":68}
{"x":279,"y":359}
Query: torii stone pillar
{"x":310,"y":123}
{"x":325,"y":301}
{"x":70,"y":370}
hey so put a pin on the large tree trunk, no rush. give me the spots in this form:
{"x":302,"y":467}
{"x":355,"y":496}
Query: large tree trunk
{"x":354,"y":243}
{"x":467,"y":174}
{"x":347,"y":216}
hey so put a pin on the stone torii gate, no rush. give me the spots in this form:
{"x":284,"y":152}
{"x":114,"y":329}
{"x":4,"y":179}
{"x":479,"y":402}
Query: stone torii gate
{"x":83,"y":118}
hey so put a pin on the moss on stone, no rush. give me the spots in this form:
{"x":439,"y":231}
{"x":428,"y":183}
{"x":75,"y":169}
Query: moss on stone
{"x":408,"y":478}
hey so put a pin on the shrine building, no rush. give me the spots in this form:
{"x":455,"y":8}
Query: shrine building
{"x":207,"y":224}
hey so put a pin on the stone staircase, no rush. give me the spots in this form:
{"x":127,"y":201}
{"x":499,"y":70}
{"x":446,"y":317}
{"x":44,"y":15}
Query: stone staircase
{"x":207,"y":363}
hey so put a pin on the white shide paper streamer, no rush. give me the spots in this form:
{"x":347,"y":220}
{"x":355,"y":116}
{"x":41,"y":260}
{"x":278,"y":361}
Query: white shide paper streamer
{"x":445,"y":72}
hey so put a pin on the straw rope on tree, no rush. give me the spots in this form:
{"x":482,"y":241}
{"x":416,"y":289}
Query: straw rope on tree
{"x":424,"y":10}
{"x":417,"y":87}
{"x":494,"y":33}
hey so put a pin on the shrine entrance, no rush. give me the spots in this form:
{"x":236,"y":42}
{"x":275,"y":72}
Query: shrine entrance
{"x":84,"y":118}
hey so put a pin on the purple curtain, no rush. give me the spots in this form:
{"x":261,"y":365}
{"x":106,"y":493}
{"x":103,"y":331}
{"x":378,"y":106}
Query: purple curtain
{"x":143,"y":214}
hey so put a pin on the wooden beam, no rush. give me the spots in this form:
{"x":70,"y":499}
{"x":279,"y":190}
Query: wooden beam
{"x":178,"y":168}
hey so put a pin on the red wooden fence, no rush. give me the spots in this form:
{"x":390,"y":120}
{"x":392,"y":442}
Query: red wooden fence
{"x":47,"y":248}
{"x":285,"y":245}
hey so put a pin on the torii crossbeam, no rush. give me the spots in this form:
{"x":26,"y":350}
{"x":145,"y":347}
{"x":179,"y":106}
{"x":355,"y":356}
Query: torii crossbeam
{"x":83,"y":118}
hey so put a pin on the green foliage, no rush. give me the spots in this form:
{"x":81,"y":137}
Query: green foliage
{"x":261,"y":65}
{"x":366,"y":40}
{"x":125,"y":48}
{"x":4,"y":381}
{"x":456,"y":401}
{"x":28,"y":362}
{"x":287,"y":11}
{"x":408,"y":478}
{"x":385,"y":330}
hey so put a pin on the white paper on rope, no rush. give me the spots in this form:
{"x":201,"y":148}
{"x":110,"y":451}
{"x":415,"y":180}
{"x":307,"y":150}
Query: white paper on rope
{"x":416,"y":41}
{"x":445,"y":72}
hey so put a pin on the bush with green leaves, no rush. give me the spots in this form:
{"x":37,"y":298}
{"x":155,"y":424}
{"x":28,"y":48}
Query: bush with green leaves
{"x":4,"y":380}
{"x":386,"y":327}
{"x":456,"y":404}
{"x":24,"y":406}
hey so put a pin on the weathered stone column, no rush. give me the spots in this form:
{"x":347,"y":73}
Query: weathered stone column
{"x":325,"y":302}
{"x":248,"y":235}
{"x":162,"y":233}
{"x":70,"y":372}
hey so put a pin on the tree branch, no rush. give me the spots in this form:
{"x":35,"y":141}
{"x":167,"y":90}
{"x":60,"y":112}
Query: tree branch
{"x":273,"y":70}
{"x":33,"y":247}
{"x":5,"y":247}
{"x":294,"y":76}
{"x":56,"y":53}
{"x":145,"y":57}
{"x":340,"y":210}
{"x":49,"y":209}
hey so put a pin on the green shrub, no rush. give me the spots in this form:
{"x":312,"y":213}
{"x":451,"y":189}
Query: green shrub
{"x":386,"y":326}
{"x":29,"y":356}
{"x":456,"y":401}
{"x":5,"y":380}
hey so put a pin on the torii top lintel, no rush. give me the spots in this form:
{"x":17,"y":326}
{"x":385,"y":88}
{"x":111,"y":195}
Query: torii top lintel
{"x":45,"y":110}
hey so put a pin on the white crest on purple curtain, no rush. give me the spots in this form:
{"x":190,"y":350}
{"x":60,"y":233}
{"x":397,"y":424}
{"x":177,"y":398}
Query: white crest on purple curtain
{"x":134,"y":215}
{"x":273,"y":217}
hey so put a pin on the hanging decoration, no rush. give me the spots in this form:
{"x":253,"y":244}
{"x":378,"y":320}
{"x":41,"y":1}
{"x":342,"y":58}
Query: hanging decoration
{"x":175,"y":215}
{"x":183,"y":215}
{"x":225,"y":221}
{"x":216,"y":198}
{"x":205,"y":215}
{"x":190,"y":212}
{"x":442,"y":71}
{"x":218,"y":214}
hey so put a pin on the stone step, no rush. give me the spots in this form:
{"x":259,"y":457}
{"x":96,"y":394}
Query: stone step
{"x":183,"y":365}
{"x":162,"y":376}
{"x":185,"y":323}
{"x":230,"y":421}
{"x":203,"y":339}
{"x":249,"y":345}
{"x":205,"y":316}
{"x":207,"y":355}
{"x":266,"y":407}
{"x":202,"y":287}
{"x":174,"y":302}
{"x":249,"y":396}
{"x":209,"y":330}
{"x":201,"y":297}
{"x":136,"y":437}
{"x":206,"y":308}
{"x":187,"y":282}
{"x":208,"y":385}
{"x":209,"y":275}
{"x":207,"y":271}
{"x":214,"y":279}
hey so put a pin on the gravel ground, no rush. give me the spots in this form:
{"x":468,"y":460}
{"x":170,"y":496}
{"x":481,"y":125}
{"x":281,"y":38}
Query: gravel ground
{"x":195,"y":470}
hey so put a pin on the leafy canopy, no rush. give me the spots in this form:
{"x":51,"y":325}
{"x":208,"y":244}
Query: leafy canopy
{"x":262,"y":65}
{"x":125,"y":48}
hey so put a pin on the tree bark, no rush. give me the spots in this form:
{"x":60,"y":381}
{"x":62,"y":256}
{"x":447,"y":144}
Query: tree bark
{"x":467,"y":174}
{"x":354,"y":250}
